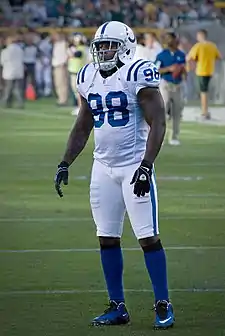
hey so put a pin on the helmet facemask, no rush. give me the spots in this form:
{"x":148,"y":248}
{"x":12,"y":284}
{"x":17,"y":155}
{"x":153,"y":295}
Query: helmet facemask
{"x":105,"y":52}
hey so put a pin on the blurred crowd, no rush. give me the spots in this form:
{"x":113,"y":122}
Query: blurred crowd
{"x":49,"y":63}
{"x":45,"y":65}
{"x":89,"y":13}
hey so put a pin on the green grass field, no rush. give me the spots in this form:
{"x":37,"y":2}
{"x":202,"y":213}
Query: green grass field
{"x":51,"y":282}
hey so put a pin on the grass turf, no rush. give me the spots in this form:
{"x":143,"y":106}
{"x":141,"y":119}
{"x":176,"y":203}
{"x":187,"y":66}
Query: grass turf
{"x":191,"y":202}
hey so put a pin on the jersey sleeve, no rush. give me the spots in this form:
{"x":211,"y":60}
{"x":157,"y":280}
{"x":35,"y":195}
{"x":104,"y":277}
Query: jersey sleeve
{"x":193,"y":53}
{"x":83,"y":78}
{"x":143,"y":74}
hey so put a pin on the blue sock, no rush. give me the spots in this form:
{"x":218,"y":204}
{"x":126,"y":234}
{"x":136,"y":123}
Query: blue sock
{"x":156,"y":265}
{"x":112,"y":264}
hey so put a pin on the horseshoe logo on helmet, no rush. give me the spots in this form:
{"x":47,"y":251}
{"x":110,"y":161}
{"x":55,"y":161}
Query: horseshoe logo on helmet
{"x":131,"y":39}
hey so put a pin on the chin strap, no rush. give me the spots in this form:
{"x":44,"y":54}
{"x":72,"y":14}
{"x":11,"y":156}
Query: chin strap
{"x":108,"y":73}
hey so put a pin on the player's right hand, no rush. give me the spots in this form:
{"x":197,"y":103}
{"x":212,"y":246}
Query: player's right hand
{"x":62,"y":175}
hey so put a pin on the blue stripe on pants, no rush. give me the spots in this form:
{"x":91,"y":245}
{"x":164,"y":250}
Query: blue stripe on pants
{"x":154,"y":208}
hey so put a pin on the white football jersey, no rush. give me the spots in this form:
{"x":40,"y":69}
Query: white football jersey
{"x":120,"y":130}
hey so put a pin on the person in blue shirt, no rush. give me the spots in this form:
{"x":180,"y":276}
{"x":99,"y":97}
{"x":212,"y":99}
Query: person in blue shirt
{"x":171,"y":64}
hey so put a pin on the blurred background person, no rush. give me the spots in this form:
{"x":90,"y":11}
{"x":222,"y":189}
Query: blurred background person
{"x":19,"y":38}
{"x":164,"y":19}
{"x":171,"y":64}
{"x":151,"y":13}
{"x":1,"y":79}
{"x":30,"y":59}
{"x":35,"y":13}
{"x":153,"y":46}
{"x":204,"y":53}
{"x":60,"y":72}
{"x":43,"y":68}
{"x":141,"y":49}
{"x":77,"y":58}
{"x":187,"y":83}
{"x":12,"y":62}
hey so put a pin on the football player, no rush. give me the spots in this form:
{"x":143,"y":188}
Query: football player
{"x":120,"y":99}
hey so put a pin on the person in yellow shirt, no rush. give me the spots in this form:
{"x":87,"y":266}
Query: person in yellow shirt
{"x":77,"y":58}
{"x":204,"y":53}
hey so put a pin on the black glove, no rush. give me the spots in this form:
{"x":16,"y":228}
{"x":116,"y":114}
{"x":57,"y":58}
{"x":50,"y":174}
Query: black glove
{"x":62,"y":174}
{"x":142,"y":179}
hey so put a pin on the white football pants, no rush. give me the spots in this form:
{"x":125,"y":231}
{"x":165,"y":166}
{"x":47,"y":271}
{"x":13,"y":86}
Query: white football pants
{"x":111,"y":195}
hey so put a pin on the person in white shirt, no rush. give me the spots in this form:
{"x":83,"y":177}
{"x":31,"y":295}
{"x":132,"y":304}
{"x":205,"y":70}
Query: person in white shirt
{"x":30,"y":58}
{"x":43,"y":68}
{"x":164,"y":18}
{"x":42,"y":11}
{"x":12,"y":62}
{"x":30,"y":7}
{"x":60,"y":72}
{"x":142,"y":51}
{"x":192,"y":14}
{"x":35,"y":12}
{"x":153,"y":46}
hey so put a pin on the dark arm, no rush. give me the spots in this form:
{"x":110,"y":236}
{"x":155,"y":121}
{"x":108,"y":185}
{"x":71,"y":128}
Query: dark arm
{"x":184,"y":72}
{"x":166,"y":69}
{"x":218,"y":55}
{"x":162,"y":69}
{"x":151,"y":103}
{"x":80,"y":133}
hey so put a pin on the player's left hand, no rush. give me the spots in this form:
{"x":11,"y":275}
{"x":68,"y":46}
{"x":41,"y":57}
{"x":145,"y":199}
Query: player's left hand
{"x":142,"y":179}
{"x":62,"y":175}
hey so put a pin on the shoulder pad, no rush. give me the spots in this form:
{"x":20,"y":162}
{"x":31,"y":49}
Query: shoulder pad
{"x":82,"y":74}
{"x":143,"y":72}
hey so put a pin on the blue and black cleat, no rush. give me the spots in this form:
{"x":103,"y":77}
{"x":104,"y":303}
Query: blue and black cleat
{"x":164,"y":318}
{"x":115,"y":314}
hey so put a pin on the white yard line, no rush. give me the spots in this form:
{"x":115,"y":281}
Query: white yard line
{"x":169,"y":164}
{"x":47,"y":219}
{"x":74,"y":250}
{"x":89,"y":219}
{"x":178,"y":195}
{"x":96,"y":291}
{"x":39,"y":114}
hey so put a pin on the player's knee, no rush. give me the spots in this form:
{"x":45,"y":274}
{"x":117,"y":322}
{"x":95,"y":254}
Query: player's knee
{"x":150,"y":244}
{"x":109,"y":242}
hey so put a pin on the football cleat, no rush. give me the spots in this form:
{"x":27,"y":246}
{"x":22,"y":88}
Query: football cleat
{"x":164,"y":318}
{"x":115,"y":314}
